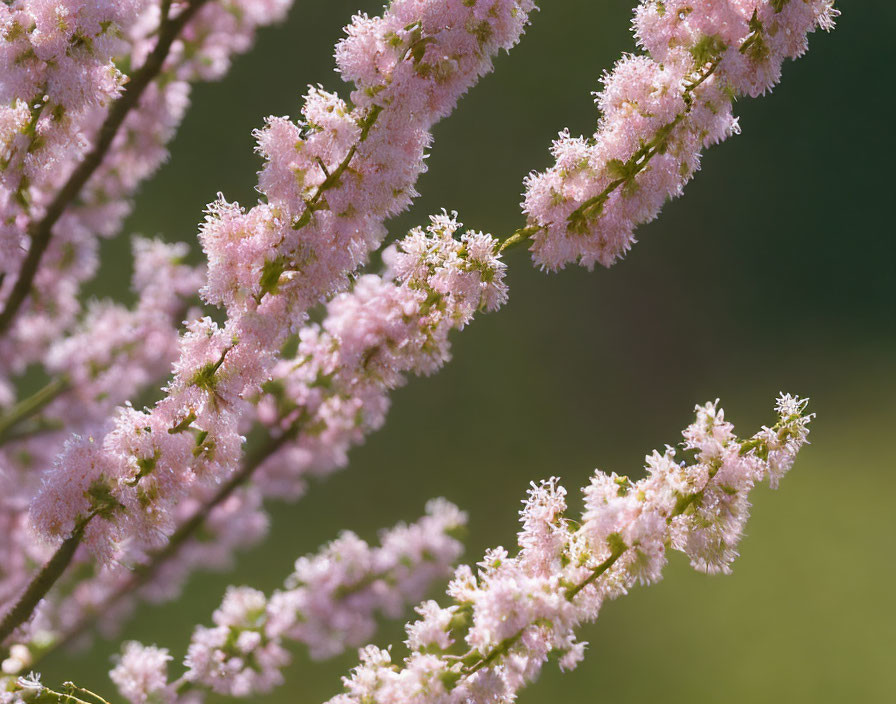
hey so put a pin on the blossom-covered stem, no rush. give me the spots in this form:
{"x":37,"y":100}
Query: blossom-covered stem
{"x":143,"y":573}
{"x":578,"y":219}
{"x":517,"y":610}
{"x":659,"y":111}
{"x":26,"y":408}
{"x":41,"y":232}
{"x":332,"y":177}
{"x":476,"y":661}
{"x":619,"y":548}
{"x":571,"y":593}
{"x":635,"y":165}
{"x":43,"y":581}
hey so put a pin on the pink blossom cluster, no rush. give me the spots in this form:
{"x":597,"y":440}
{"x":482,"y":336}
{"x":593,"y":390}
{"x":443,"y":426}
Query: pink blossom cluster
{"x":57,"y":62}
{"x":336,"y":389}
{"x":124,"y":486}
{"x":327,"y":604}
{"x":659,"y":111}
{"x":116,"y":352}
{"x":319,"y":404}
{"x":90,"y":481}
{"x":331,"y":180}
{"x":64,"y":62}
{"x":56,"y":59}
{"x":505,"y":619}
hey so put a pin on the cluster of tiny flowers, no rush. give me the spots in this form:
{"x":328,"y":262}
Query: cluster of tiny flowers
{"x":166,"y":489}
{"x":658,"y":112}
{"x":332,"y":179}
{"x":505,"y":620}
{"x":63,"y":63}
{"x":116,"y":353}
{"x":336,"y":390}
{"x":328,"y":604}
{"x":319,"y":404}
{"x":347,"y":170}
{"x":56,"y":59}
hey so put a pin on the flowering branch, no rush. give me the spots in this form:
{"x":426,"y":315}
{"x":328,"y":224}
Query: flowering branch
{"x":40,"y":232}
{"x":521,"y":609}
{"x":151,"y":458}
{"x":659,"y":110}
{"x":335,"y":391}
{"x":327,"y":604}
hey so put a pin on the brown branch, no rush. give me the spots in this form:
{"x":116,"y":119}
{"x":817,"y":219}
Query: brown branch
{"x":40,"y":233}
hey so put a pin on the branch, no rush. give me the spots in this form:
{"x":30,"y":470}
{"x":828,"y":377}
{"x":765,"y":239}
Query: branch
{"x":145,"y":572}
{"x":26,"y":408}
{"x":44,"y":580}
{"x":40,"y":233}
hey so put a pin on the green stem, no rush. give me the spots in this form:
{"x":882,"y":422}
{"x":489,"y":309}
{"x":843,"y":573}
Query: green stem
{"x":618,"y":551}
{"x":43,"y":581}
{"x":331,"y":178}
{"x":28,"y":407}
{"x":496,"y":652}
{"x":63,"y":697}
{"x":518,"y":238}
{"x":75,"y":688}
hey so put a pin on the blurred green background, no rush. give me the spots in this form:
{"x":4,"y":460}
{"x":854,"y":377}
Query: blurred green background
{"x":775,"y":272}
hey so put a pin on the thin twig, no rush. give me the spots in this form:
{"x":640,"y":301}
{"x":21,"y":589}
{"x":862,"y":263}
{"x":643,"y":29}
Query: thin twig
{"x":28,"y":407}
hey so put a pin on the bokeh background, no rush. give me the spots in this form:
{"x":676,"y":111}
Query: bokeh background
{"x":775,"y":272}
